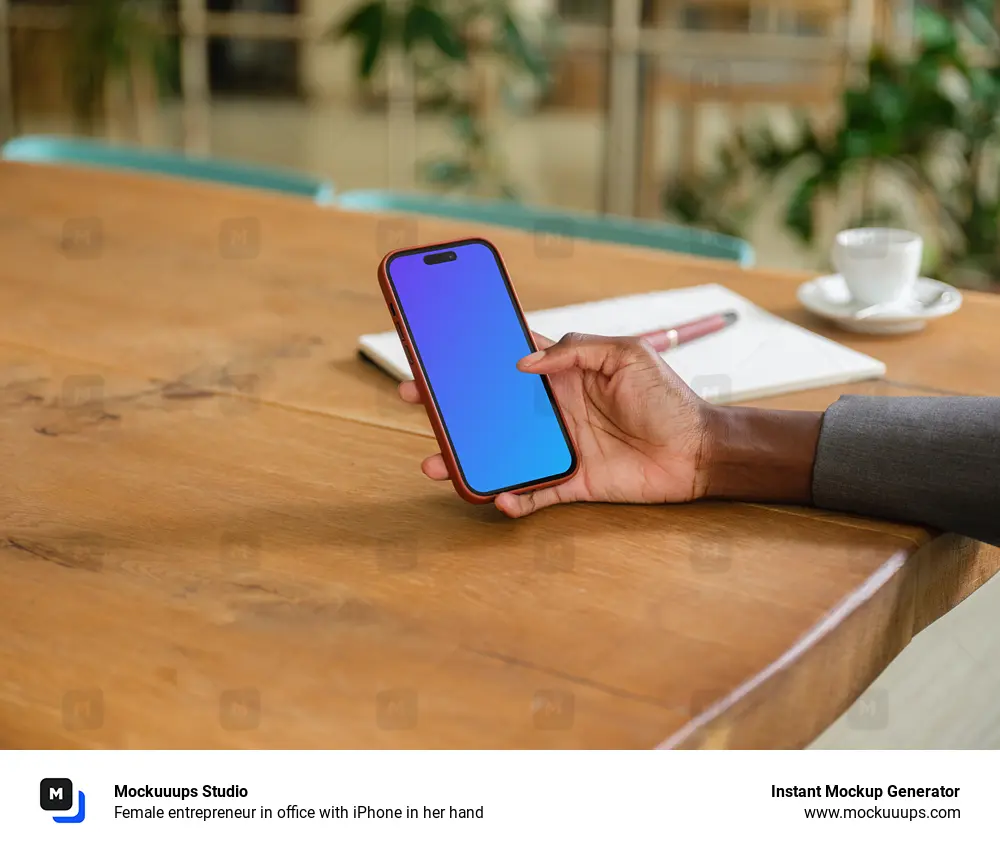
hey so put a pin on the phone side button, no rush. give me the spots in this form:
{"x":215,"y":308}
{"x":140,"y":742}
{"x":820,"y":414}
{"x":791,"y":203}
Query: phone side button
{"x":402,"y":339}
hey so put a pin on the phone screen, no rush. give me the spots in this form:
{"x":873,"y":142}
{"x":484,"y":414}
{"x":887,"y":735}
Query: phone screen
{"x":502,"y":424}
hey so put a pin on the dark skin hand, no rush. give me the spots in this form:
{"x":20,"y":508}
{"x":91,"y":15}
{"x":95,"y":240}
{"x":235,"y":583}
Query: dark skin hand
{"x":644,"y":437}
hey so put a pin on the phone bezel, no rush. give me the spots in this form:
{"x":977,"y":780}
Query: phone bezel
{"x":512,"y":296}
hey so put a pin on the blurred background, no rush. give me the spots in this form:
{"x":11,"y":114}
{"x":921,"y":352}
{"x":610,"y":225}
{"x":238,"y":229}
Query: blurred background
{"x":777,"y":120}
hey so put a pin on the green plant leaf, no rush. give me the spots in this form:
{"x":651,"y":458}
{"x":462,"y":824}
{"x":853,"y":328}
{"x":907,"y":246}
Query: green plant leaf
{"x":523,"y":51}
{"x":859,"y":109}
{"x":767,"y":153}
{"x":907,"y":118}
{"x":983,"y":85}
{"x":799,"y":215}
{"x":448,"y":172}
{"x":981,"y":23}
{"x":684,"y":201}
{"x":361,"y":22}
{"x":880,"y":215}
{"x":109,"y":39}
{"x":696,"y":202}
{"x":369,"y":26}
{"x":466,"y":127}
{"x":423,"y":23}
{"x":934,"y":30}
{"x":889,"y":103}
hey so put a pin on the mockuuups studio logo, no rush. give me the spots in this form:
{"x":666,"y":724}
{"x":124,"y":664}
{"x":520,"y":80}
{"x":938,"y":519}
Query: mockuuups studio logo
{"x":56,"y":795}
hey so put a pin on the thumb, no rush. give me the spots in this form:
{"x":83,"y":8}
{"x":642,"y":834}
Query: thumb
{"x":541,"y":341}
{"x":590,"y":353}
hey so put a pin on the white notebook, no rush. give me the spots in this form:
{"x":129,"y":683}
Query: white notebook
{"x":758,"y":356}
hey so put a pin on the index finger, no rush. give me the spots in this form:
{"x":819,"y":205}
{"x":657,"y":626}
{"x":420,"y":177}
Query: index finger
{"x":409,"y":393}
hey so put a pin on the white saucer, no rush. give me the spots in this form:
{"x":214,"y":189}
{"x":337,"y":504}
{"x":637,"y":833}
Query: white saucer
{"x":828,"y":297}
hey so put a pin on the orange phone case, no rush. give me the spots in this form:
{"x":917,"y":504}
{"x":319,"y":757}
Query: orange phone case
{"x":437,"y":424}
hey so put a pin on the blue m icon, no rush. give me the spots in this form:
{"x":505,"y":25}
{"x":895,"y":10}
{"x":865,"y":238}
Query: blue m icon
{"x":80,"y":814}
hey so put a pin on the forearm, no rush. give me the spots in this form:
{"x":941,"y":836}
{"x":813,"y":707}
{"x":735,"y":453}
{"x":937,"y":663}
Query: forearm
{"x":760,"y":455}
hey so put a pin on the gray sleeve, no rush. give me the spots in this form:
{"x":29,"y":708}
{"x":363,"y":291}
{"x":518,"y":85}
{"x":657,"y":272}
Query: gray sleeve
{"x":932,"y":461}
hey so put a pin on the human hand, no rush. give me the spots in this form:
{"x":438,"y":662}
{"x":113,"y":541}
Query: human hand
{"x":638,"y":428}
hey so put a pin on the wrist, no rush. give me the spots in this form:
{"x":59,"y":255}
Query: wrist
{"x":753,"y":454}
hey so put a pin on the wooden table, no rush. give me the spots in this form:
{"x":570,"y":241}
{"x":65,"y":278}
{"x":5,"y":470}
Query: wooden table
{"x":214,"y":532}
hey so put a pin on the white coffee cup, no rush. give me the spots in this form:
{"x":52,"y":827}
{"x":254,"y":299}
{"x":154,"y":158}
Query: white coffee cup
{"x":880,"y":265}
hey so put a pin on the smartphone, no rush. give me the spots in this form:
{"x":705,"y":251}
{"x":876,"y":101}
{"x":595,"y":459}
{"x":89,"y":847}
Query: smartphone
{"x":463,"y":330}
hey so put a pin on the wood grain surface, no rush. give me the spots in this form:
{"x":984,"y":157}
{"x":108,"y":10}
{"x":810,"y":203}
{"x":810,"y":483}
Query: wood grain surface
{"x":214,"y":532}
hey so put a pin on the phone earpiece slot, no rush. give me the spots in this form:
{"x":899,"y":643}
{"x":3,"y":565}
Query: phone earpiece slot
{"x":443,"y":257}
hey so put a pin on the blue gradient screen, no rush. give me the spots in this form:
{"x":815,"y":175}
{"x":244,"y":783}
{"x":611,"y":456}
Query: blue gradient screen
{"x":467,"y":333}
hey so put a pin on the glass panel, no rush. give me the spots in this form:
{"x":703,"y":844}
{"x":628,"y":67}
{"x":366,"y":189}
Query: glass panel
{"x":696,"y":98}
{"x":44,"y":60}
{"x":555,"y":149}
{"x":301,"y":104}
{"x":584,"y":11}
{"x":542,"y":139}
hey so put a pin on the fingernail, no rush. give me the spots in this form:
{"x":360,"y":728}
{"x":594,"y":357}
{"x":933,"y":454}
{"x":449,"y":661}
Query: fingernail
{"x":530,"y":360}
